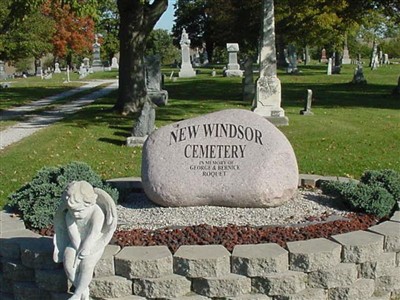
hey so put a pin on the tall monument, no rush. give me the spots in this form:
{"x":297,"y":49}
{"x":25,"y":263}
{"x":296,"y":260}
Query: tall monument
{"x":267,"y":102}
{"x":186,"y":66}
{"x":97,"y":64}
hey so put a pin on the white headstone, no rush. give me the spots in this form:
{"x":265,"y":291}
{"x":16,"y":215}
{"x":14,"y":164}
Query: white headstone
{"x":346,"y":57}
{"x":268,"y":90}
{"x":57,"y":68}
{"x":228,"y":158}
{"x":329,"y":70}
{"x":186,"y":66}
{"x":114,"y":63}
{"x":233,"y":69}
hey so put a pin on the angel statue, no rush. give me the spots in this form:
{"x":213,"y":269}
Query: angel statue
{"x":84,"y":224}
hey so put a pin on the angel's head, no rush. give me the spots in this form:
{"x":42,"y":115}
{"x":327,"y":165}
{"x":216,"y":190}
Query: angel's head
{"x":80,"y":197}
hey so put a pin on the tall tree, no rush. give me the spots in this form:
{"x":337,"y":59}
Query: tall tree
{"x":137,"y":19}
{"x":194,"y":17}
{"x":107,"y":24}
{"x":74,"y":34}
{"x":160,"y":43}
{"x":31,"y":38}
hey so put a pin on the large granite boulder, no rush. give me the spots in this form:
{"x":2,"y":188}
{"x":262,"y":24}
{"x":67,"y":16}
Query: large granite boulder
{"x":228,"y":158}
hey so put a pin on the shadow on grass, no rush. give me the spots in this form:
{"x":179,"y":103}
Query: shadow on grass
{"x":17,"y":96}
{"x":341,"y":95}
{"x":189,"y":98}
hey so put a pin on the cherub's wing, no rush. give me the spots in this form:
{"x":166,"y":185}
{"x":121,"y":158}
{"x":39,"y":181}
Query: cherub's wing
{"x":61,"y":238}
{"x":107,"y":205}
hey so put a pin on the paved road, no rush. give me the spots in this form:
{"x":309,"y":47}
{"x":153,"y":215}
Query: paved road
{"x":21,"y":130}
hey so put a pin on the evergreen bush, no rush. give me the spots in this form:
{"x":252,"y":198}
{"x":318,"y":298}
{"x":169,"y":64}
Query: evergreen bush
{"x":376,"y":193}
{"x":38,"y":200}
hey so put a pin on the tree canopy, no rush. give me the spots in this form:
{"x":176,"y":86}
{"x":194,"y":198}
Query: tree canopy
{"x":320,"y":23}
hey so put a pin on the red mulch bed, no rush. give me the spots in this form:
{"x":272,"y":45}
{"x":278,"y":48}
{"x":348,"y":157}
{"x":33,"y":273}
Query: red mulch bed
{"x":232,"y":235}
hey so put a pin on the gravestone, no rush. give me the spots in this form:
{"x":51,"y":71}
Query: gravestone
{"x":267,"y":102}
{"x":196,"y":58}
{"x":83,"y":71}
{"x":307,"y":107}
{"x":205,"y":57}
{"x":292,"y":60}
{"x":233,"y":68}
{"x":86,"y":63}
{"x":154,"y":82}
{"x":97,"y":65}
{"x":38,"y":66}
{"x":346,"y":57}
{"x":329,"y":70}
{"x":3,"y":74}
{"x":306,"y":54}
{"x":323,"y":56}
{"x":386,"y":59}
{"x":230,"y":158}
{"x":114,"y":63}
{"x":144,"y":125}
{"x":213,"y":72}
{"x":336,"y":60}
{"x":57,"y":69}
{"x":248,"y":88}
{"x":374,"y":61}
{"x":186,"y":66}
{"x":358,"y":77}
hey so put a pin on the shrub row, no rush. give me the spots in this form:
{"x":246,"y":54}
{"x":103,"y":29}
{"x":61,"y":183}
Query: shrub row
{"x":376,"y":193}
{"x":38,"y":200}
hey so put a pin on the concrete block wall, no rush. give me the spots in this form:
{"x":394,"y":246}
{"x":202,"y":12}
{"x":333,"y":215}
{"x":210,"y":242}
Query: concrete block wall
{"x":362,"y":265}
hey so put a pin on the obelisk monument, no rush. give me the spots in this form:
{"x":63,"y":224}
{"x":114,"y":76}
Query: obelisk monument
{"x":267,"y":102}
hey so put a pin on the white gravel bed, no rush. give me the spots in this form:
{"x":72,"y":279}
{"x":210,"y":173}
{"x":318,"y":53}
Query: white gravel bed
{"x":139,"y":212}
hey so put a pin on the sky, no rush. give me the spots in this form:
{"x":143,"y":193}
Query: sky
{"x":167,"y":19}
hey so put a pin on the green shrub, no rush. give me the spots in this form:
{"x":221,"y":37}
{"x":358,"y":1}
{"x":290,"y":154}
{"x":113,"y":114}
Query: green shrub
{"x":38,"y":200}
{"x":376,"y":193}
{"x":388,"y":179}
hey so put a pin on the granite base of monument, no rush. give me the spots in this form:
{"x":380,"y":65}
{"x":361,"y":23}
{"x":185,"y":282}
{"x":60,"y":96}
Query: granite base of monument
{"x":233,"y":73}
{"x":136,"y":141}
{"x":279,"y":121}
{"x":186,"y":73}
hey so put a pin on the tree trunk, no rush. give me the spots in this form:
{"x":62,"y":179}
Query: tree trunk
{"x":137,"y":19}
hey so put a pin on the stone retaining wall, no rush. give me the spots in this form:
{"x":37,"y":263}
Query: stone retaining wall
{"x":362,"y":265}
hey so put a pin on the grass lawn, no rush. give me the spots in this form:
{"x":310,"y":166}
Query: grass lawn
{"x":25,"y":90}
{"x":354,"y":127}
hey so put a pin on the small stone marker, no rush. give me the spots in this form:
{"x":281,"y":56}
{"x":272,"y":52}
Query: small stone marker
{"x":292,"y":60}
{"x":307,"y":108}
{"x":3,"y":74}
{"x":386,"y":59}
{"x":323,"y":56}
{"x":359,"y":75}
{"x":248,"y":87}
{"x":114,"y":63}
{"x":230,"y":158}
{"x":329,"y":70}
{"x":57,"y":68}
{"x":144,"y":125}
{"x":233,"y":66}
